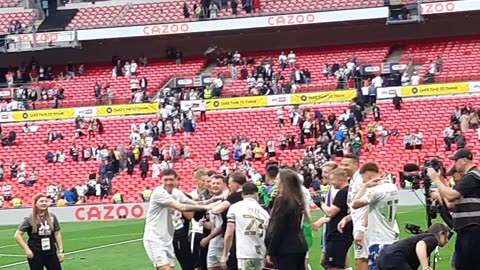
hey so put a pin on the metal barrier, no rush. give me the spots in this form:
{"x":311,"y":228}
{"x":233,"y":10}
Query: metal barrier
{"x":40,"y":41}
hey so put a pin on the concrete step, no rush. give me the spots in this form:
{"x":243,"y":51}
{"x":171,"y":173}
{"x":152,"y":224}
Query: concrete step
{"x":395,"y":55}
{"x":208,"y":70}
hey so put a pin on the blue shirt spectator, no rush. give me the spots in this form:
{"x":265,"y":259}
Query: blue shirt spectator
{"x":70,"y":197}
{"x":340,"y":135}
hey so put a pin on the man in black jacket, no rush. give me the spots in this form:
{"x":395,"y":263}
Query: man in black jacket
{"x":466,"y":212}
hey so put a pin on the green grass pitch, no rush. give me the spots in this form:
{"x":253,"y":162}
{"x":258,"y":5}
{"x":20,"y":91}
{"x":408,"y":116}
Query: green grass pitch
{"x":118,"y":245}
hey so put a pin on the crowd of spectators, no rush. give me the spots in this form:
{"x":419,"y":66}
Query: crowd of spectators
{"x":321,"y":137}
{"x":464,"y":118}
{"x":31,"y":84}
{"x":145,"y":152}
{"x":211,"y":8}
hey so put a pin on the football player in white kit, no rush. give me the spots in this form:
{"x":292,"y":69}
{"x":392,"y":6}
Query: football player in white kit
{"x":247,"y":220}
{"x":381,"y":198}
{"x":351,"y":164}
{"x":215,"y":239}
{"x":196,"y":232}
{"x":159,"y":230}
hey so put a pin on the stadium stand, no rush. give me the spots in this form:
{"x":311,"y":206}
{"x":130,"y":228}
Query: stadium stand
{"x":460,"y":58}
{"x":171,"y":11}
{"x":25,"y":18}
{"x":79,"y":90}
{"x":312,"y":59}
{"x":96,"y":17}
{"x":154,"y":13}
{"x":8,"y":3}
{"x":432,"y":115}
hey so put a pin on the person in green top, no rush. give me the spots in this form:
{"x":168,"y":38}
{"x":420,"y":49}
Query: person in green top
{"x":439,"y":64}
{"x":268,"y":187}
{"x":371,"y":126}
{"x":356,"y":145}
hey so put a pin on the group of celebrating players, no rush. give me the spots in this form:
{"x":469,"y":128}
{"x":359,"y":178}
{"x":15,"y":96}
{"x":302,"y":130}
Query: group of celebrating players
{"x":234,"y":226}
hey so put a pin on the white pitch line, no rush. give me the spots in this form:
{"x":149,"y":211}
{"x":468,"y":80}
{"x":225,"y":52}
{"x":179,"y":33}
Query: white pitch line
{"x":7,"y":246}
{"x":104,"y":236}
{"x":11,"y":255}
{"x":78,"y":251}
{"x":86,"y":238}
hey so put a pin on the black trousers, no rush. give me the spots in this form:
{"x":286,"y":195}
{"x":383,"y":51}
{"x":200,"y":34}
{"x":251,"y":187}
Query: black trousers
{"x":197,"y":249}
{"x":387,"y":261}
{"x":203,"y":257}
{"x":467,"y":247}
{"x":232,"y":260}
{"x":295,"y":261}
{"x":41,"y":261}
{"x":181,"y":246}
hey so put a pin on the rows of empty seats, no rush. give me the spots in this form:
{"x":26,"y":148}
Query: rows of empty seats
{"x":460,"y":58}
{"x":8,"y":3}
{"x":172,"y":11}
{"x":25,"y":18}
{"x":431,"y":116}
{"x":313,"y":59}
{"x":95,"y":17}
{"x":155,"y":12}
{"x":79,"y":91}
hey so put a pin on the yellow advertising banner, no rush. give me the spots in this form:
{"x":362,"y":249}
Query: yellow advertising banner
{"x":320,"y":97}
{"x":44,"y":115}
{"x":236,"y":103}
{"x":127,"y":109}
{"x":435,"y":89}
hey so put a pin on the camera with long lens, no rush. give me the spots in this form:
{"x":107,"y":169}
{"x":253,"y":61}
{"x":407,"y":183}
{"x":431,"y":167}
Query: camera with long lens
{"x":417,"y":176}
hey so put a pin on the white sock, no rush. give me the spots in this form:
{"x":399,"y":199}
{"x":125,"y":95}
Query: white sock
{"x":309,"y":267}
{"x":349,"y":268}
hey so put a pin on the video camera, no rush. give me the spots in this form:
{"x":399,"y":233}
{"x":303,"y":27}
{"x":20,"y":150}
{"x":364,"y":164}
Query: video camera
{"x":417,"y":175}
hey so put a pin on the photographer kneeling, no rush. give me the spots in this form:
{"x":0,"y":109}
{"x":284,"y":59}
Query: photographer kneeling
{"x":410,"y":253}
{"x":466,"y":212}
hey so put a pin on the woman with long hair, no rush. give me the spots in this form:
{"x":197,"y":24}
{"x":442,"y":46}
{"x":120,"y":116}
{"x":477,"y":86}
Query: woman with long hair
{"x":45,"y":246}
{"x":286,"y":242}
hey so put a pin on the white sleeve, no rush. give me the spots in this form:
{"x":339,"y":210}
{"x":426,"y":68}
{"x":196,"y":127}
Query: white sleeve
{"x":161,"y":197}
{"x":180,"y":196}
{"x":231,"y":214}
{"x":373,"y":195}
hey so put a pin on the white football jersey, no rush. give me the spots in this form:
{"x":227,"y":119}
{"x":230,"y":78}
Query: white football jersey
{"x":158,"y":224}
{"x":383,"y":205}
{"x":217,"y":241}
{"x":251,"y":222}
{"x":358,"y":215}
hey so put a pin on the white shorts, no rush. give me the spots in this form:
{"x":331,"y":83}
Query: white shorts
{"x":250,"y":264}
{"x":360,"y":251}
{"x":214,"y":255}
{"x":159,"y":254}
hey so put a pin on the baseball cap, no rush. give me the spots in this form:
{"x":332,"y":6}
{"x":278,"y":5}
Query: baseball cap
{"x":451,"y":172}
{"x":462,"y":153}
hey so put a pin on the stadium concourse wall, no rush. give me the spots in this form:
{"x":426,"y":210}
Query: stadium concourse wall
{"x":105,"y":212}
{"x":331,"y":96}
